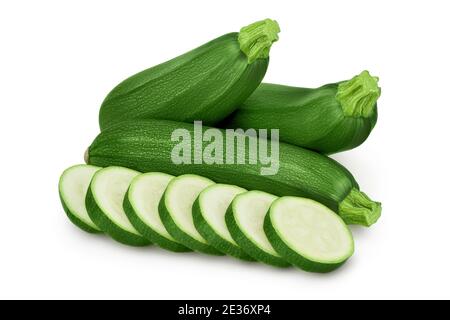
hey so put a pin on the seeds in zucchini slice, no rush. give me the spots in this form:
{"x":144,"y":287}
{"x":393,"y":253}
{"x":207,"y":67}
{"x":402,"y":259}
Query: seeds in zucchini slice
{"x":73,"y":186}
{"x":141,"y":207}
{"x":175,"y":209}
{"x":245,"y":220}
{"x":104,"y":203}
{"x":308,"y":234}
{"x":209,"y":218}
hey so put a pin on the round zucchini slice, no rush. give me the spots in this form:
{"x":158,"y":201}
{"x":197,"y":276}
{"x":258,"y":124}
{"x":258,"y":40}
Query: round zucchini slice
{"x":104,"y":204}
{"x":175,"y":209}
{"x":308,"y":234}
{"x":73,"y":187}
{"x":209,"y":218}
{"x":245,"y":221}
{"x":141,"y":207}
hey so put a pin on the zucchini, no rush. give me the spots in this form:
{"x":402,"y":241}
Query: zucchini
{"x":146,"y":146}
{"x":175,"y":209}
{"x":245,"y":222}
{"x":141,"y":207}
{"x":104,"y":201}
{"x":207,"y":83}
{"x":73,"y":186}
{"x":308,"y":234}
{"x":209,"y":218}
{"x":328,"y":119}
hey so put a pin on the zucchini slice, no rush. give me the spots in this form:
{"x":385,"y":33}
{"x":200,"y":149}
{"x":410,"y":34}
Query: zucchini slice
{"x":141,"y":207}
{"x":209,"y":218}
{"x":308,"y":234}
{"x":104,"y":204}
{"x":73,"y":186}
{"x":175,"y":209}
{"x":245,"y":221}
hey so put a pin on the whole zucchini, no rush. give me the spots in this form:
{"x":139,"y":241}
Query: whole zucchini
{"x":147,"y":146}
{"x":328,"y":119}
{"x":207,"y":83}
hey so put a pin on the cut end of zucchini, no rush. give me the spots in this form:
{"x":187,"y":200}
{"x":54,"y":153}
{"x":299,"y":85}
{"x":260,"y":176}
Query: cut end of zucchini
{"x":358,"y":208}
{"x":359,"y":95}
{"x":141,"y":207}
{"x":73,"y":187}
{"x":256,"y":39}
{"x":86,"y":156}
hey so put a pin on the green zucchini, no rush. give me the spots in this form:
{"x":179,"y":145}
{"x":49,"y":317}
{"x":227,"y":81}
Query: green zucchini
{"x":141,"y":207}
{"x":207,"y":83}
{"x":104,"y":202}
{"x":73,"y":187}
{"x":328,"y":119}
{"x":245,"y":222}
{"x":308,"y":234}
{"x":146,"y":146}
{"x":175,"y":209}
{"x":209,"y":218}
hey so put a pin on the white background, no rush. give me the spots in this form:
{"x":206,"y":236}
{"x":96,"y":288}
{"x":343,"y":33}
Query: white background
{"x":58,"y":60}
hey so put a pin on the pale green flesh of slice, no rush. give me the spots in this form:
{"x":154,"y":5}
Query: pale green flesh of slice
{"x":145,"y":194}
{"x":74,"y":186}
{"x":109,"y":187}
{"x":311,"y":229}
{"x":180,"y":196}
{"x":214,"y":202}
{"x":249,"y":212}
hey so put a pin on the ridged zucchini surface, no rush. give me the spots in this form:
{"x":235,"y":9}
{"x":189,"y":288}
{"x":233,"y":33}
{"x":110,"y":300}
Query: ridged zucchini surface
{"x":207,"y":83}
{"x":147,"y":146}
{"x":332,"y":118}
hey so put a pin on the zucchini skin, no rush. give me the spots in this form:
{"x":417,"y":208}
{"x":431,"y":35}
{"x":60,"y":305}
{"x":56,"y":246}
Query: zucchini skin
{"x":207,"y":83}
{"x":309,"y":118}
{"x":146,"y":146}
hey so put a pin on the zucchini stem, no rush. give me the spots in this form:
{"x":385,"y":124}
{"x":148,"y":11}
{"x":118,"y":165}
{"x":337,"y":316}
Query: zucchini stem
{"x":359,"y":95}
{"x":358,"y":208}
{"x":256,"y":39}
